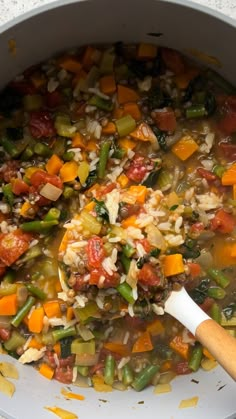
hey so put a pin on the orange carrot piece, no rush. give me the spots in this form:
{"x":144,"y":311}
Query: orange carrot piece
{"x":77,"y":141}
{"x":155,"y":327}
{"x":91,"y":145}
{"x":140,"y":193}
{"x":146,"y":51}
{"x":90,"y":206}
{"x":34,"y":343}
{"x":129,"y":222}
{"x":8,"y":305}
{"x":229,"y":176}
{"x":143,"y":133}
{"x":70,"y":395}
{"x":46,"y":371}
{"x":54,"y":165}
{"x":69,"y":171}
{"x":123,"y":180}
{"x":173,"y":60}
{"x":207,"y":354}
{"x":87,"y":60}
{"x":118,"y":348}
{"x":70,"y":64}
{"x":107,"y":85}
{"x":57,"y":286}
{"x":180,"y":347}
{"x":118,"y":113}
{"x":143,"y":343}
{"x":35,"y":323}
{"x":166,"y":366}
{"x":173,"y":264}
{"x":57,"y":348}
{"x":127,"y":143}
{"x":70,"y":310}
{"x":182,"y":80}
{"x":234,"y":191}
{"x":132,"y":109}
{"x":52,"y":309}
{"x":109,"y":129}
{"x":195,"y":269}
{"x":185,"y":147}
{"x":126,"y":94}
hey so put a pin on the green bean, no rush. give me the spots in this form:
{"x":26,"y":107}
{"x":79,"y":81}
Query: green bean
{"x":15,"y":341}
{"x":216,"y":292}
{"x":109,"y":370}
{"x":196,"y":357}
{"x":127,"y":375}
{"x":42,"y":227}
{"x":9,"y":276}
{"x":126,"y":291}
{"x":103,"y":158}
{"x":37,"y":292}
{"x":219,"y":170}
{"x":53,"y":214}
{"x":59,"y":334}
{"x":100,"y":103}
{"x":195,"y":111}
{"x":68,"y":155}
{"x":125,"y":125}
{"x":125,"y":262}
{"x":42,"y":150}
{"x":219,"y":277}
{"x":144,"y":377}
{"x":128,"y":250}
{"x":8,"y":194}
{"x":119,"y":153}
{"x":27,"y":153}
{"x":215,"y":313}
{"x":68,"y":192}
{"x":21,"y":313}
{"x":9,"y":147}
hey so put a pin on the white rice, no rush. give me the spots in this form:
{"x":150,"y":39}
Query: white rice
{"x":158,"y":310}
{"x":140,"y":250}
{"x":109,"y":265}
{"x":134,"y":233}
{"x":130,"y":310}
{"x":178,"y":224}
{"x":123,"y":362}
{"x":112,"y":204}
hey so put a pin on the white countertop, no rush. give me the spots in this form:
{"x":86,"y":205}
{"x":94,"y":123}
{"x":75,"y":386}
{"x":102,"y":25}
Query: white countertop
{"x":12,"y":8}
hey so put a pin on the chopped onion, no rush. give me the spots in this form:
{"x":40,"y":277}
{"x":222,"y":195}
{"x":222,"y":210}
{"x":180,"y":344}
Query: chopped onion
{"x":84,"y":332}
{"x":162,"y":388}
{"x":155,"y":237}
{"x":51,"y":192}
{"x":205,"y":259}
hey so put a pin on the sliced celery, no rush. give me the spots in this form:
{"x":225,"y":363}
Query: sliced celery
{"x":90,"y":223}
{"x":16,"y":340}
{"x":90,"y":310}
{"x":80,"y":347}
{"x":125,"y":125}
{"x":107,"y":62}
{"x":228,"y":323}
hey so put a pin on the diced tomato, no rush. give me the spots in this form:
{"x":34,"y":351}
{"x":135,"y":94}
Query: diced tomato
{"x":39,"y":199}
{"x":96,"y":368}
{"x":165,"y":120}
{"x":108,"y":281}
{"x":195,"y":269}
{"x":196,"y":228}
{"x":146,"y":245}
{"x":2,"y":269}
{"x":173,"y":60}
{"x":9,"y":170}
{"x":54,"y":99}
{"x":137,"y":169}
{"x":40,"y":178}
{"x":4,"y":334}
{"x":13,"y":245}
{"x":228,"y":150}
{"x":182,"y":368}
{"x":108,"y":188}
{"x":228,"y":123}
{"x":19,"y":187}
{"x":64,"y":375}
{"x":223,"y":222}
{"x":206,"y":174}
{"x":95,"y":252}
{"x":41,"y":124}
{"x":207,"y":304}
{"x":149,"y":275}
{"x":23,"y":87}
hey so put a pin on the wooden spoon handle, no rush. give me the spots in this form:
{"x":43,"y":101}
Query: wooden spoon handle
{"x":219,"y":343}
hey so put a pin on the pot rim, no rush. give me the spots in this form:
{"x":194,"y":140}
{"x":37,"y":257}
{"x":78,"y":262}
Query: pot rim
{"x":60,"y":3}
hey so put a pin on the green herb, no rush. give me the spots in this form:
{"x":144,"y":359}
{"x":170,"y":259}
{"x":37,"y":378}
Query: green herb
{"x":161,"y":138}
{"x":152,"y":178}
{"x":158,"y":99}
{"x":229,"y":310}
{"x":100,"y":103}
{"x":91,"y":179}
{"x":8,"y":194}
{"x":200,"y":293}
{"x":101,"y":210}
{"x":174,"y":207}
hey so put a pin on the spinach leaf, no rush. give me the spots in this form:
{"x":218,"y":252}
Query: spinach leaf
{"x":229,"y":310}
{"x":101,"y":210}
{"x":199,"y":293}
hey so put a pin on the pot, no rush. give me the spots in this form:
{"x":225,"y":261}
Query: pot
{"x":40,"y":34}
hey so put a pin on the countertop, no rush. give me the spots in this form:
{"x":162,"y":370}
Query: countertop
{"x":12,"y":8}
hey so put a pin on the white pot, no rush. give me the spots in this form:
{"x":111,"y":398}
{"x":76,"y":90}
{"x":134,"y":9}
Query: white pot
{"x":57,"y":27}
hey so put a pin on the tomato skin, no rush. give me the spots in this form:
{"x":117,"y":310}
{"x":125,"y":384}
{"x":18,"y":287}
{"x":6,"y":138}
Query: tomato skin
{"x":137,"y":169}
{"x":149,"y":276}
{"x":228,"y":123}
{"x":166,"y":120}
{"x":40,"y":178}
{"x":182,"y":368}
{"x":110,"y":281}
{"x":95,"y":252}
{"x":223,"y":222}
{"x":41,"y":124}
{"x":9,"y":170}
{"x":13,"y":245}
{"x":196,"y":228}
{"x":146,"y":245}
{"x":64,"y":375}
{"x":206,"y":174}
{"x":19,"y":187}
{"x":173,"y":60}
{"x":229,"y":150}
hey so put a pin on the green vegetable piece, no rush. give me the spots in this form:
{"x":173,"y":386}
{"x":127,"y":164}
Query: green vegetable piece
{"x":125,"y":262}
{"x":144,"y":377}
{"x":196,"y":357}
{"x":59,"y":147}
{"x":59,"y":334}
{"x":9,"y":147}
{"x":53,"y":214}
{"x":165,"y":179}
{"x":27,"y":153}
{"x":107,"y":62}
{"x":215,"y":313}
{"x":128,"y":250}
{"x":65,"y":345}
{"x":219,"y":277}
{"x":15,"y":341}
{"x":7,"y":288}
{"x":32,"y":253}
{"x":42,"y":227}
{"x":32,"y":102}
{"x":101,"y":210}
{"x":152,"y":178}
{"x":103,"y":158}
{"x":90,"y":223}
{"x":42,"y":150}
{"x":195,"y":111}
{"x":100,"y":103}
{"x":9,"y":276}
{"x":109,"y":370}
{"x":216,"y":292}
{"x":127,"y":375}
{"x":126,"y":291}
{"x":125,"y":125}
{"x":8,"y":194}
{"x":84,"y":313}
{"x":68,"y":155}
{"x":37,"y":292}
{"x":68,"y":192}
{"x":219,"y":170}
{"x":83,"y":370}
{"x":80,"y":347}
{"x":17,"y":319}
{"x":119,"y":153}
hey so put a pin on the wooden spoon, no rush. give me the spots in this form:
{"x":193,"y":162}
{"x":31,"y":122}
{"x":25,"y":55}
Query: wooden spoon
{"x":210,"y":334}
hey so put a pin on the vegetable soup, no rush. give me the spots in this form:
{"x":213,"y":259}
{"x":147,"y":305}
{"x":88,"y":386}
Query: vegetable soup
{"x":118,"y":185}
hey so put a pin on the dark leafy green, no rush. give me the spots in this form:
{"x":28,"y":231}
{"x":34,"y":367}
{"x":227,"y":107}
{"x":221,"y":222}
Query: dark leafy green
{"x":229,"y":310}
{"x":65,"y":345}
{"x":199,"y":293}
{"x":101,"y":210}
{"x":158,"y":99}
